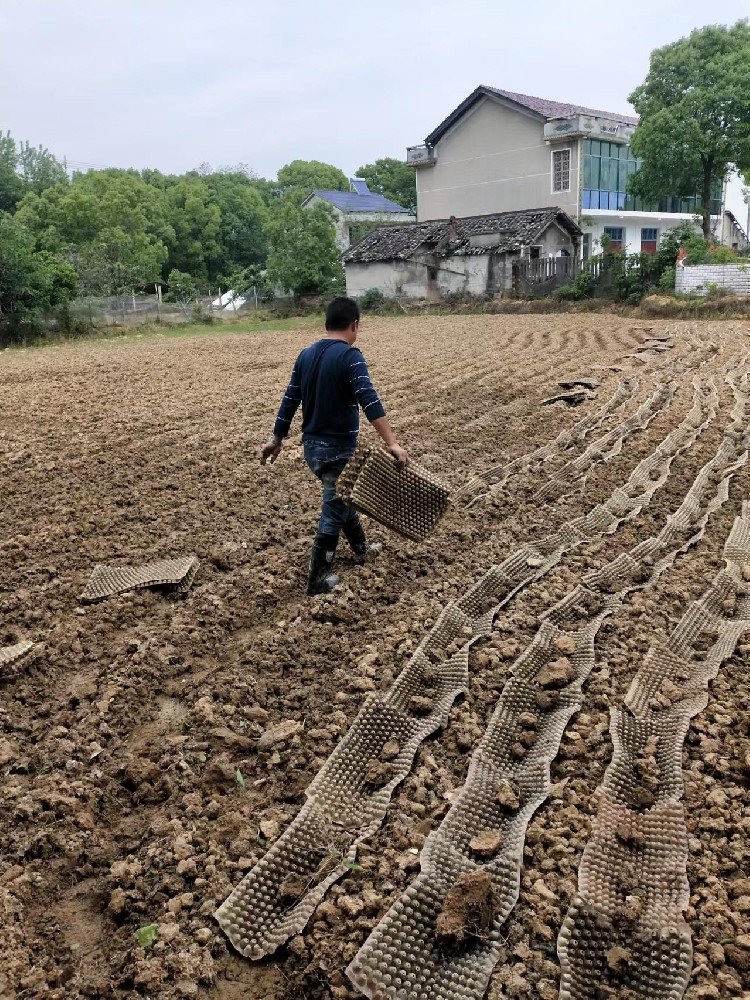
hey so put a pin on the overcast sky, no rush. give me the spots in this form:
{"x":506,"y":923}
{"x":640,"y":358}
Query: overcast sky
{"x":172,"y":83}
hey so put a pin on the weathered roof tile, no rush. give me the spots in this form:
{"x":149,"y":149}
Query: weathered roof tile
{"x":538,"y":105}
{"x":515,"y":230}
{"x":558,"y":109}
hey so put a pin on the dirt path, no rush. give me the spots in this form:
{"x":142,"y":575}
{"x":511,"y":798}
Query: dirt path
{"x":123,"y":735}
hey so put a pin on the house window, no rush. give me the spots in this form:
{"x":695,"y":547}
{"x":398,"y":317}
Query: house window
{"x":649,"y":240}
{"x":616,"y":237}
{"x":586,"y":246}
{"x":535,"y":252}
{"x":607,"y":166}
{"x":561,"y":170}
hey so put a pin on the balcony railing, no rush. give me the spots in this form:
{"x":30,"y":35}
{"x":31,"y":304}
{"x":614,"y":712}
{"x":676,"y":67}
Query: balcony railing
{"x":586,"y":125}
{"x":420,"y":156}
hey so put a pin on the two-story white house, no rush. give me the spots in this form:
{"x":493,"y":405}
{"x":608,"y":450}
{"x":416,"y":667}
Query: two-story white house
{"x":500,"y":151}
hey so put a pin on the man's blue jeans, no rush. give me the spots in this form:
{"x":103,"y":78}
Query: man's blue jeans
{"x":326,"y":460}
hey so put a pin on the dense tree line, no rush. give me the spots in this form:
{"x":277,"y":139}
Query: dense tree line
{"x":105,"y":232}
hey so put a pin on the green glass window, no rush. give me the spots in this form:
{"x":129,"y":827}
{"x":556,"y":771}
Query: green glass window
{"x":606,"y":169}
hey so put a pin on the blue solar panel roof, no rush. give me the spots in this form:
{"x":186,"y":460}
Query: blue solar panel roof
{"x":349,"y":201}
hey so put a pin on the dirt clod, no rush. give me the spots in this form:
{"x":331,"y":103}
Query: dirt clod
{"x":280,"y":733}
{"x":378,"y":773}
{"x":467,"y":912}
{"x":546,"y":700}
{"x":565,"y":644}
{"x":508,"y":795}
{"x":556,"y":673}
{"x":292,"y":889}
{"x":618,"y":959}
{"x":486,"y":843}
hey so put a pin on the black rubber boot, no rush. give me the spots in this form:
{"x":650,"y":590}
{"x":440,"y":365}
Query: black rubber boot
{"x":355,"y":535}
{"x":320,"y":579}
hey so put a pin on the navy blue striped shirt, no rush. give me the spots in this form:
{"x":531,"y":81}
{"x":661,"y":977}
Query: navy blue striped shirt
{"x":331,"y":380}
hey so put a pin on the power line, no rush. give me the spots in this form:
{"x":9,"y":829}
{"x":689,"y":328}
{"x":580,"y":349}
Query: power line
{"x":84,"y":163}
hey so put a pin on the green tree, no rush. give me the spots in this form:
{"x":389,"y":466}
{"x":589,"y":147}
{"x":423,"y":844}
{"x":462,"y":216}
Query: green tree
{"x":269,"y":191}
{"x":31,"y":281}
{"x":244,"y":221}
{"x":304,"y":257}
{"x":25,"y":168}
{"x":116,"y":262}
{"x":195,"y":222}
{"x":182,"y":290}
{"x":306,"y":176}
{"x":39,"y":168}
{"x":694,"y":118}
{"x":11,"y":185}
{"x":392,"y":178}
{"x":110,"y":224}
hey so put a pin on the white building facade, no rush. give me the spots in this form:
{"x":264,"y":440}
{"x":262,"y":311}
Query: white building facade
{"x":500,"y":151}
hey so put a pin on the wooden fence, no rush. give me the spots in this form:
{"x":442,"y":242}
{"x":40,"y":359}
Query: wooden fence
{"x":543,"y":275}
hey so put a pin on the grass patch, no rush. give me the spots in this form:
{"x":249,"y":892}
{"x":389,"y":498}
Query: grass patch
{"x":222,"y":327}
{"x":151,"y":331}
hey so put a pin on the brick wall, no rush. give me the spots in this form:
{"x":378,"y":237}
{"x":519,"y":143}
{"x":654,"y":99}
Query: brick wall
{"x":697,"y":280}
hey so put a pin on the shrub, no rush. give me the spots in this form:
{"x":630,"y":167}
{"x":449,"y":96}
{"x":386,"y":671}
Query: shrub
{"x":715,"y":291}
{"x":462,"y":299}
{"x":371,"y":299}
{"x":199,"y":314}
{"x":722,"y":255}
{"x":581,"y":287}
{"x":667,"y":279}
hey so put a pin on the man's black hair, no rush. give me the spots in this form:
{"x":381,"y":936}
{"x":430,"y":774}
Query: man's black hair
{"x":341,"y":313}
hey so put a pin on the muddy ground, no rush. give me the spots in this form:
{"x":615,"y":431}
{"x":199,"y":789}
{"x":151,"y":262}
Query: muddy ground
{"x":132,"y":790}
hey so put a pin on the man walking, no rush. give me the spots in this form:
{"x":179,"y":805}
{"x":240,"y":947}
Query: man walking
{"x":331,"y":380}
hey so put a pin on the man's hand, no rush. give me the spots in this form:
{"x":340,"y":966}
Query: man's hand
{"x":399,"y":453}
{"x":385,"y":432}
{"x":271,"y":449}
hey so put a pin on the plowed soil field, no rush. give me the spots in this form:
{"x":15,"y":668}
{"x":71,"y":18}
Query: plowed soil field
{"x":135,"y":788}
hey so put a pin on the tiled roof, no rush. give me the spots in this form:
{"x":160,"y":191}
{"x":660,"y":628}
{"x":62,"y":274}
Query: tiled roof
{"x":538,"y":105}
{"x":350,"y":201}
{"x":556,"y":109}
{"x":516,"y":229}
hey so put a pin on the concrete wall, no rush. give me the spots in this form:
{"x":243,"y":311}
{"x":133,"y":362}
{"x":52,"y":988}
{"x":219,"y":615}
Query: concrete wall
{"x":394,"y":278}
{"x":472,"y":274}
{"x":696,"y":280}
{"x":493,"y":160}
{"x":463,"y":275}
{"x":554,"y":239}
